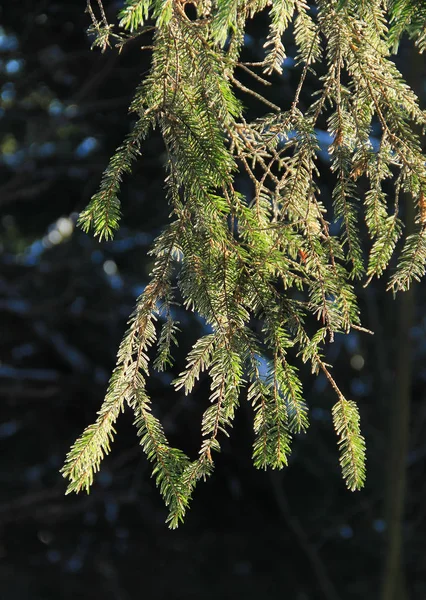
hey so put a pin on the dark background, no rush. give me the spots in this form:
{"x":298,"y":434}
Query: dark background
{"x":64,"y":302}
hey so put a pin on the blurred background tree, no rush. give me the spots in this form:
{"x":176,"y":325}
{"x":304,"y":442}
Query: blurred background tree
{"x":64,"y":303}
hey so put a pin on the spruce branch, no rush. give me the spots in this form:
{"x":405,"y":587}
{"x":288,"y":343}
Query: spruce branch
{"x":271,"y":256}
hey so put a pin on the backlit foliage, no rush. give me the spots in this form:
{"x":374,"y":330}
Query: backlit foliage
{"x":271,"y":255}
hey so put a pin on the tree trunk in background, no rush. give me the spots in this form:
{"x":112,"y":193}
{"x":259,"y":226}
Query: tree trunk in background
{"x":393,"y":582}
{"x":393,"y":587}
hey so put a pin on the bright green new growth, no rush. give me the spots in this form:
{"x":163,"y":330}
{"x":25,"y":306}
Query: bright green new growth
{"x":270,"y":256}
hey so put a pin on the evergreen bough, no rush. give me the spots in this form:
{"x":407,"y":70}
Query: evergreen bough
{"x":271,"y":255}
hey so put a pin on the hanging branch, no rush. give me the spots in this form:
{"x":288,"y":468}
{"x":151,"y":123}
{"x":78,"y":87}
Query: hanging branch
{"x":271,"y":256}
